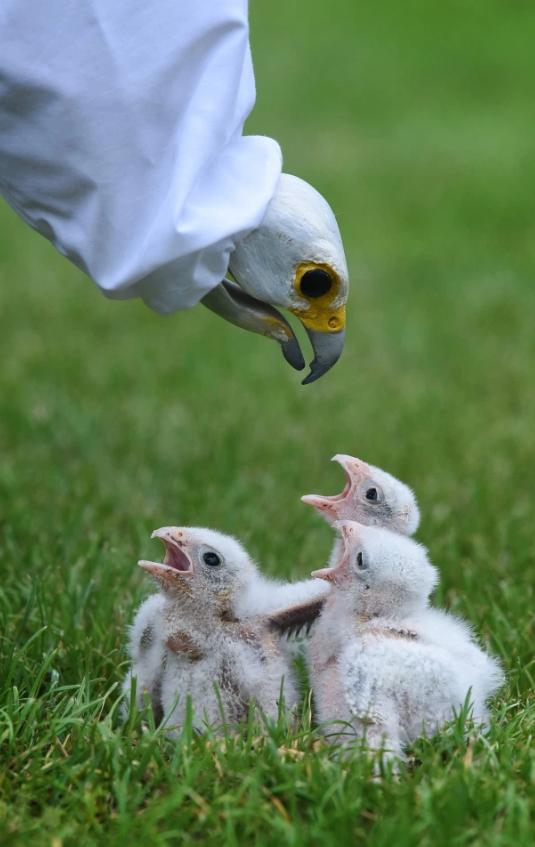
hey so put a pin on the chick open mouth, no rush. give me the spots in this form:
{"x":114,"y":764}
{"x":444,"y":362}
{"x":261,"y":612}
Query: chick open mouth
{"x":345,"y":490}
{"x":336,"y":498}
{"x":175,"y":557}
{"x":348,"y":485}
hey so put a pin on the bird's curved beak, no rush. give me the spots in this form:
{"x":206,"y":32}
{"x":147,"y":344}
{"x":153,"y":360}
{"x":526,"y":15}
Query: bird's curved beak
{"x":323,"y":320}
{"x":327,"y":347}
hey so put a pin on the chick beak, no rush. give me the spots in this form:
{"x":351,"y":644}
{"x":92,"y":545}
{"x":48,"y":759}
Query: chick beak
{"x":326,"y":506}
{"x":247,"y":312}
{"x":353,"y":468}
{"x":329,"y":505}
{"x":354,"y":472}
{"x":339,"y":573}
{"x":336,"y":574}
{"x":176,"y":568}
{"x":328,"y":574}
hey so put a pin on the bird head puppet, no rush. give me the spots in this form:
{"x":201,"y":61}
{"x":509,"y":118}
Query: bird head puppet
{"x":295,"y":260}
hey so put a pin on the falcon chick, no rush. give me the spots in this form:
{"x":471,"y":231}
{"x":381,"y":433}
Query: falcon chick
{"x":380,"y":659}
{"x":195,"y":638}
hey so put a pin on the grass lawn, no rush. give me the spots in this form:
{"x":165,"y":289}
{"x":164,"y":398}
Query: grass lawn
{"x":416,"y":121}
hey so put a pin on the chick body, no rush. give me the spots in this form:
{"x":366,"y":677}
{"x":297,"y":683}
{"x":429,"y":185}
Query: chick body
{"x":380,"y":658}
{"x":208,"y":644}
{"x":223,"y":664}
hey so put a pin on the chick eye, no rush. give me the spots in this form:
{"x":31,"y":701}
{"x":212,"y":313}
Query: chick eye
{"x":212,"y":559}
{"x":315,"y":283}
{"x":371,"y":494}
{"x":360,"y":561}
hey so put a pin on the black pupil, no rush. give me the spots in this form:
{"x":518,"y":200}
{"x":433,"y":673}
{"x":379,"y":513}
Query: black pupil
{"x":360,"y":561}
{"x":211,"y":559}
{"x":371,"y":494}
{"x":315,"y":283}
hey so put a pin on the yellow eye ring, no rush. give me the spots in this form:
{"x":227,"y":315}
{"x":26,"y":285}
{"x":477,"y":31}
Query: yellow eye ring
{"x":320,"y":286}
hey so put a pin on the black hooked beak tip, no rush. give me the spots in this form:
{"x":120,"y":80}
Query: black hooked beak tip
{"x":328,"y":347}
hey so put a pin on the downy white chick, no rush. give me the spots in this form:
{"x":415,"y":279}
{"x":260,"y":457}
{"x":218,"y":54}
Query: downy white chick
{"x":194,"y":639}
{"x":380,"y":658}
{"x":370,"y":496}
{"x":259,"y":596}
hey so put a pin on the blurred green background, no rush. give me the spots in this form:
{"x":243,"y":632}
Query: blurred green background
{"x":416,"y":121}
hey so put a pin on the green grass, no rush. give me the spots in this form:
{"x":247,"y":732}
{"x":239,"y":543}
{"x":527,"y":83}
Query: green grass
{"x":416,"y":121}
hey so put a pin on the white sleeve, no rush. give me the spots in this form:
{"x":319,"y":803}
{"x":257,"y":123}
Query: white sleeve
{"x":121,"y":138}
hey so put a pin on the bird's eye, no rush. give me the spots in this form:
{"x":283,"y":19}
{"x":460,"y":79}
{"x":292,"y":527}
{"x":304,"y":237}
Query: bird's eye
{"x":315,"y":283}
{"x":373,"y":494}
{"x":360,"y":561}
{"x":212,"y":559}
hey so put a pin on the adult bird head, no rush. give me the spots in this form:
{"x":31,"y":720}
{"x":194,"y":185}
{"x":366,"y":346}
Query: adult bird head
{"x":295,"y":260}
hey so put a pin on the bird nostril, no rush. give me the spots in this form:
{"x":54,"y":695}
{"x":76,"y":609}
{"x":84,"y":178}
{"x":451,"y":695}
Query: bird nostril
{"x":315,"y":283}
